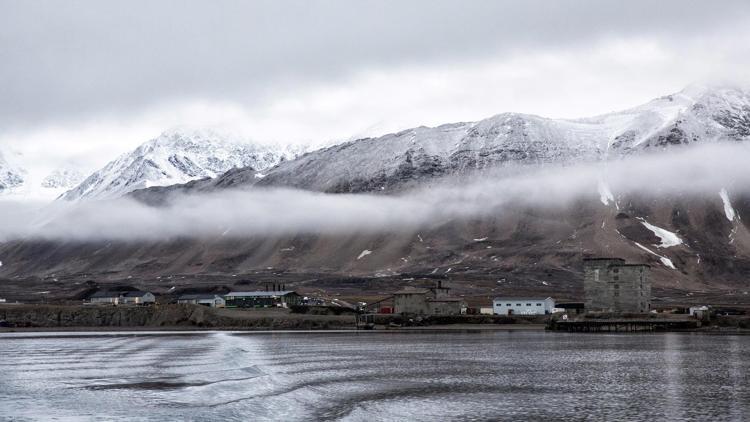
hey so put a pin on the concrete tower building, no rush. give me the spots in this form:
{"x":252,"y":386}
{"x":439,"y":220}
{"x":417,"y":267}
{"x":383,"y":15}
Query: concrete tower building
{"x":611,"y":285}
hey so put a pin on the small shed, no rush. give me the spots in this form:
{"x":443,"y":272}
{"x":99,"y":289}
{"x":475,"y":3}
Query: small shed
{"x":486,"y":310}
{"x":570,"y":308}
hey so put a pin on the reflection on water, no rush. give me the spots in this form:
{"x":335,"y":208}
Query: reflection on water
{"x":375,"y":376}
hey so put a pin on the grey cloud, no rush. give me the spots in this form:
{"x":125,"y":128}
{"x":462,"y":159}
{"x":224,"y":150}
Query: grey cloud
{"x":67,"y":59}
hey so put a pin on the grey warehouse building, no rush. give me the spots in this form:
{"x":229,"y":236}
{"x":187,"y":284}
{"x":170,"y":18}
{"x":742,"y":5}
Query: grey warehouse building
{"x":611,"y":285}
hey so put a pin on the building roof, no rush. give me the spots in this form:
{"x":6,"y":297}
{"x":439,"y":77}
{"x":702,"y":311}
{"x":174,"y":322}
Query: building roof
{"x":521,"y":299}
{"x":260,"y":293}
{"x":199,"y":296}
{"x":104,"y":294}
{"x":407,"y":291}
{"x":137,"y":293}
{"x":603,"y":259}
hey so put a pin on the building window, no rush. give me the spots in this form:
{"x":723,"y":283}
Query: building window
{"x":617,"y":286}
{"x":616,"y":270}
{"x":507,"y":304}
{"x":538,"y":304}
{"x":616,"y":278}
{"x":617,"y":293}
{"x":518,"y":304}
{"x":528,"y":304}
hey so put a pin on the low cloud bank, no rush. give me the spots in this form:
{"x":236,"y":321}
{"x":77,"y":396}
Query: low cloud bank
{"x":703,"y":170}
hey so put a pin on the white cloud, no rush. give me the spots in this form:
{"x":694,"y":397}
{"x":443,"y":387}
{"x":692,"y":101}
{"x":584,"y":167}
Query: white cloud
{"x":258,"y":212}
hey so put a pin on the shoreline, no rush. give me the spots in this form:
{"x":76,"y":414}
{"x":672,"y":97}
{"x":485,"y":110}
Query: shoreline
{"x":22,"y":332}
{"x":199,"y":319}
{"x":199,"y":330}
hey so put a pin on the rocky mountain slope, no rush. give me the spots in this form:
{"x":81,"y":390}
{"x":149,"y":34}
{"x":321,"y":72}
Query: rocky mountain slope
{"x":174,"y":158}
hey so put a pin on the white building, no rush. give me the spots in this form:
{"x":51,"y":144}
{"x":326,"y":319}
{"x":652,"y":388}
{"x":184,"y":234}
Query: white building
{"x":210,"y":300}
{"x":522,"y":306}
{"x":119,"y":297}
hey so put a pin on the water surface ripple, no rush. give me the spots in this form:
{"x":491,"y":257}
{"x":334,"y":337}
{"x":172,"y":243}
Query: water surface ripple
{"x":374,"y":376}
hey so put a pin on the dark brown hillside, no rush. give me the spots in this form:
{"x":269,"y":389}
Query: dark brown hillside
{"x":517,"y":250}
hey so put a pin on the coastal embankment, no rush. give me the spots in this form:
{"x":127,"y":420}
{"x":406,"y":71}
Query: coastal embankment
{"x":164,"y":317}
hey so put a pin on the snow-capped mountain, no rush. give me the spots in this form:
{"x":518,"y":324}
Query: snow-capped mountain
{"x":62,"y":178}
{"x":695,"y":241}
{"x":177,"y":157}
{"x":10,"y":176}
{"x":696,"y":114}
{"x":22,"y":179}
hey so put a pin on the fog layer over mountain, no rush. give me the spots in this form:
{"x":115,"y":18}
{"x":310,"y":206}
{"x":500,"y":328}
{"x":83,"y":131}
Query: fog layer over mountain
{"x":703,"y":170}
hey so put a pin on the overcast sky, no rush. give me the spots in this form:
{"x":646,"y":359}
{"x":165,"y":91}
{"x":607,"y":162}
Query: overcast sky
{"x":83,"y":81}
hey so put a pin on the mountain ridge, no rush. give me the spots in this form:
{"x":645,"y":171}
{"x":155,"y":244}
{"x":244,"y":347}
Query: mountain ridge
{"x":177,"y":157}
{"x":411,"y":157}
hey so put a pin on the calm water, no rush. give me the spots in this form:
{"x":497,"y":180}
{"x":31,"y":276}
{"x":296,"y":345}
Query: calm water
{"x":375,"y":376}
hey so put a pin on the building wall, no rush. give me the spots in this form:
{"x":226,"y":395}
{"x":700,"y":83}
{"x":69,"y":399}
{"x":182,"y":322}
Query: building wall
{"x":147,"y":298}
{"x":527,"y":306}
{"x":411,"y":303}
{"x":103,"y":300}
{"x":216,"y":302}
{"x":445,"y":308}
{"x":613,"y":286}
{"x":262,"y":301}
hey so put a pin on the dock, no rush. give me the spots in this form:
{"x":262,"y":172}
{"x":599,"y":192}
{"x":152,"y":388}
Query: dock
{"x":623,"y":325}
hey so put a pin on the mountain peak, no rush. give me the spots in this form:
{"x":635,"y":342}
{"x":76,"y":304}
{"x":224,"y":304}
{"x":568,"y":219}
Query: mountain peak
{"x":174,"y":157}
{"x":699,"y":89}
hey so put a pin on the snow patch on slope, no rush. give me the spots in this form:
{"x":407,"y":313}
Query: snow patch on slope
{"x":668,"y":239}
{"x":728,"y":209}
{"x":664,"y":260}
{"x":605,"y":194}
{"x":364,"y":254}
